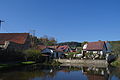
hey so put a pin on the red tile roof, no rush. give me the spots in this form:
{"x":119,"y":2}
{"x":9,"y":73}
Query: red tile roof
{"x":19,"y":38}
{"x":41,"y":47}
{"x":54,"y":47}
{"x":61,"y":48}
{"x":95,"y":45}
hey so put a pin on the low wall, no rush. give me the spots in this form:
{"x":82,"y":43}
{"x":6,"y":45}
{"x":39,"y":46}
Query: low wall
{"x":97,"y":63}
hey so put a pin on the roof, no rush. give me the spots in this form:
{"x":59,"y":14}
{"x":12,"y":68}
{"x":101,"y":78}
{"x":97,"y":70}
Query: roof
{"x":54,"y":47}
{"x":95,"y":45}
{"x":41,"y":47}
{"x":19,"y":38}
{"x":62,"y":48}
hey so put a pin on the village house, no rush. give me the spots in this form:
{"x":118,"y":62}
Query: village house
{"x":15,"y":41}
{"x":100,"y":48}
{"x":64,"y":48}
{"x":54,"y":51}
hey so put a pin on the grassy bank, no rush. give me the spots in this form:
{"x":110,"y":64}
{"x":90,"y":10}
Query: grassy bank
{"x":116,"y":63}
{"x":7,"y":65}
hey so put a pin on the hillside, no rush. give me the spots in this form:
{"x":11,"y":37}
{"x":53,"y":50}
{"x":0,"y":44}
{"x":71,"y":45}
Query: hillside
{"x":71,"y":44}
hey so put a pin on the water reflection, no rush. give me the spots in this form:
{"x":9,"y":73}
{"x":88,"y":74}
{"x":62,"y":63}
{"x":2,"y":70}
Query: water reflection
{"x":40,"y":72}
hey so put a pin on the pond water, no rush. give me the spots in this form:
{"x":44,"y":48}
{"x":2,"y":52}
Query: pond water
{"x":40,"y":72}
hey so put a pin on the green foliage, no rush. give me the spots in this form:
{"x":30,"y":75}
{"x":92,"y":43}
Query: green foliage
{"x":71,"y":54}
{"x":32,"y":54}
{"x":3,"y":65}
{"x":79,"y":49}
{"x":116,"y":63}
{"x":28,"y":62}
{"x":48,"y":41}
{"x":91,"y":55}
{"x":115,"y":46}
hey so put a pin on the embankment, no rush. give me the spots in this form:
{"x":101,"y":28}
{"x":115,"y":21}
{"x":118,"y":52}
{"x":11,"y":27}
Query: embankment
{"x":77,"y":62}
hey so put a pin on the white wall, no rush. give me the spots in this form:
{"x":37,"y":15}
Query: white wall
{"x":85,"y":46}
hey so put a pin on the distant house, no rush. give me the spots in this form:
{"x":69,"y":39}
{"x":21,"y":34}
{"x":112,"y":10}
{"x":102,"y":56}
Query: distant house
{"x":99,"y":47}
{"x":74,"y":49}
{"x":64,"y":48}
{"x":56,"y":51}
{"x":15,"y":41}
{"x":52,"y":53}
{"x":41,"y":47}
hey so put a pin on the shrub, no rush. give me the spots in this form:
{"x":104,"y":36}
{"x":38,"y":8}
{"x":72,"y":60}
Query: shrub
{"x":71,"y":54}
{"x":91,"y":55}
{"x":31,"y":54}
{"x":116,"y":63}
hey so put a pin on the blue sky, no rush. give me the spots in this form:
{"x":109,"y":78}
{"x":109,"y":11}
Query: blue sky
{"x":66,"y":20}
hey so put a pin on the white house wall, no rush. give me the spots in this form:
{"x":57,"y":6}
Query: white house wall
{"x":85,"y":46}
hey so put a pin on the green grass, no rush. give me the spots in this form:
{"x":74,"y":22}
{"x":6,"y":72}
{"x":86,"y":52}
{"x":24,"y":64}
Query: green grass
{"x":16,"y":64}
{"x":3,"y":65}
{"x":28,"y":62}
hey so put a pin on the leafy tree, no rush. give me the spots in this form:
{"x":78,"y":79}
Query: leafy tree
{"x":31,"y":54}
{"x":115,"y":47}
{"x":48,"y":41}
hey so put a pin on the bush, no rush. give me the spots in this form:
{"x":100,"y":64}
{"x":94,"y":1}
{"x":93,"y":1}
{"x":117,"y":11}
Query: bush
{"x":71,"y":54}
{"x":32,"y":54}
{"x":92,"y":55}
{"x":116,"y":63}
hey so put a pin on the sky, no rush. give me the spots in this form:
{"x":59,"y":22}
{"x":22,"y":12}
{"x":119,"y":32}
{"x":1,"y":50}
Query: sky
{"x":66,"y":20}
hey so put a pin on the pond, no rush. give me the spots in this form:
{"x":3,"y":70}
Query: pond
{"x":40,"y":72}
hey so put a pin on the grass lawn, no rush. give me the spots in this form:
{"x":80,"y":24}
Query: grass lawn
{"x":28,"y":62}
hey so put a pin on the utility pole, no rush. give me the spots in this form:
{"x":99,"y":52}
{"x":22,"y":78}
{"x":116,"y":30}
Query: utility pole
{"x":1,"y":23}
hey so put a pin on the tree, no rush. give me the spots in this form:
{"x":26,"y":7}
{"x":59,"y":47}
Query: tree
{"x":48,"y":41}
{"x":31,"y":54}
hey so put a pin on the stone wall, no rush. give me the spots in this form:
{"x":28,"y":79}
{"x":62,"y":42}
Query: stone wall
{"x":85,"y":62}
